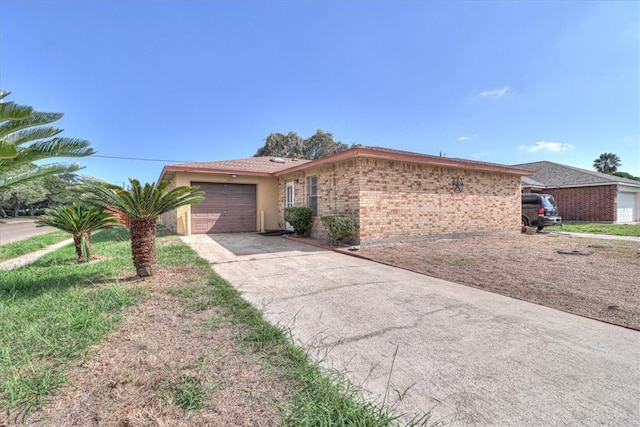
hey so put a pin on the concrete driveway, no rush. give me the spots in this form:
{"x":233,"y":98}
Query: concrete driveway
{"x":470,"y":356}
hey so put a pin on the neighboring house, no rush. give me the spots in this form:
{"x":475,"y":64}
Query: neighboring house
{"x":390,"y":194}
{"x":584,"y":195}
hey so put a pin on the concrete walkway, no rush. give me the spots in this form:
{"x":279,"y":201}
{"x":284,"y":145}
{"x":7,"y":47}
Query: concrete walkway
{"x":31,"y":257}
{"x":597,"y":236}
{"x":470,"y":356}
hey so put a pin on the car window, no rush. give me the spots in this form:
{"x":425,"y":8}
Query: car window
{"x":548,"y":201}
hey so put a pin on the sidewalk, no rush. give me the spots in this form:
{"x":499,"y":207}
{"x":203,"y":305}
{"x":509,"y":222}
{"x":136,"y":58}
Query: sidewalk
{"x":10,"y":264}
{"x":597,"y":236}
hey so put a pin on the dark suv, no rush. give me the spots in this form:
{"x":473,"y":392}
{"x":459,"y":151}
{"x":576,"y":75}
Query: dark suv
{"x":539,"y":210}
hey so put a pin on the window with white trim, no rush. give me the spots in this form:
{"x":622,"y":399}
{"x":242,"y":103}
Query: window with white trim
{"x":312,"y":194}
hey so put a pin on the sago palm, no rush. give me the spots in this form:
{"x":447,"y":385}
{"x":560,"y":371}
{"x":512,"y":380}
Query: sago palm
{"x":24,"y":139}
{"x":143,"y":205}
{"x":80,"y":221}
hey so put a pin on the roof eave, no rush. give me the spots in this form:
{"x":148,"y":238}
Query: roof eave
{"x":410,"y":158}
{"x":188,"y":169}
{"x":591,"y":184}
{"x":162,"y":174}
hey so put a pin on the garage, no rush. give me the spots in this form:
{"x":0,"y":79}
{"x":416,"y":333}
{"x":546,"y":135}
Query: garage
{"x":226,"y":208}
{"x":626,"y":206}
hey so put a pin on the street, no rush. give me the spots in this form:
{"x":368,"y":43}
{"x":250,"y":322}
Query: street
{"x":14,"y":229}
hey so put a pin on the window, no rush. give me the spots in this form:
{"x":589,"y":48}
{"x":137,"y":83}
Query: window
{"x":312,"y":194}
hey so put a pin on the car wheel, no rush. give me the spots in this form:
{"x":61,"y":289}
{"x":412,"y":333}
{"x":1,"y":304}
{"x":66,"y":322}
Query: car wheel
{"x":540,"y":227}
{"x":525,"y":221}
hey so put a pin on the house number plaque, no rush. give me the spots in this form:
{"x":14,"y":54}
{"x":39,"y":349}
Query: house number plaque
{"x":457,"y":185}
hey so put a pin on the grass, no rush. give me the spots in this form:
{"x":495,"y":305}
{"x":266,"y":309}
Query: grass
{"x":53,"y":310}
{"x":187,"y":392}
{"x":614,"y":229}
{"x":31,"y":244}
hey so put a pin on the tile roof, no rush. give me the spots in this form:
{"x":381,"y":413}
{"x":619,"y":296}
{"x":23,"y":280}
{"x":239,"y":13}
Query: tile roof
{"x":551,"y":174}
{"x":529,"y":182}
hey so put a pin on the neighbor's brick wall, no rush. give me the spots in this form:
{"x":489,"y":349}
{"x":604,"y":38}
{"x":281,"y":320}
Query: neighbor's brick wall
{"x":410,"y":200}
{"x":597,"y":203}
{"x":170,"y":219}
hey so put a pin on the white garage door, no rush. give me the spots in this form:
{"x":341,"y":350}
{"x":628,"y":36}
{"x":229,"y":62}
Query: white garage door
{"x":626,"y":206}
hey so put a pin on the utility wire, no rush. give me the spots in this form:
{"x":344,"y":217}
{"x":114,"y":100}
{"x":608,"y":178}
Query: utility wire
{"x":144,"y":160}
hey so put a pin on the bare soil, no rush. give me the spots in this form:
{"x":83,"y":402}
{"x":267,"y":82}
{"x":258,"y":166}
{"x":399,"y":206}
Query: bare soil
{"x":128,"y":378}
{"x":595,"y":278}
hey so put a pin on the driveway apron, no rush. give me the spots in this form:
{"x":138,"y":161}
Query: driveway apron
{"x":469,"y":356}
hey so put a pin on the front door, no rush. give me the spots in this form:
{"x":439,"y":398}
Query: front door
{"x":288,"y":201}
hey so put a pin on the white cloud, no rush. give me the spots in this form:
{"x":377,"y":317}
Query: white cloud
{"x":495,"y":93}
{"x":463,"y":138}
{"x":546,"y":146}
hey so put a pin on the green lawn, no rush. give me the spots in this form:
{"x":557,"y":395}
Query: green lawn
{"x":52,"y":310}
{"x":614,"y":229}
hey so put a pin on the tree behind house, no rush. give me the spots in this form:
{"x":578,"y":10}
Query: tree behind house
{"x":319,"y":145}
{"x":607,"y":163}
{"x":626,"y":175}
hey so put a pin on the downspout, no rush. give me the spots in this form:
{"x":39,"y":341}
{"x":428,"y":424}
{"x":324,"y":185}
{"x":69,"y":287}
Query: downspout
{"x":305,"y":194}
{"x":333,"y":189}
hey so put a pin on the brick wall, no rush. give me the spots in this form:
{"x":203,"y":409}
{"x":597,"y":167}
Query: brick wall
{"x":390,"y":200}
{"x":338,"y":194}
{"x":410,"y":200}
{"x":170,"y":219}
{"x":299,"y":194}
{"x":597,"y":203}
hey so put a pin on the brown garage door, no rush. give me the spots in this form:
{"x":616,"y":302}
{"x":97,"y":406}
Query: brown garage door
{"x":226,"y":208}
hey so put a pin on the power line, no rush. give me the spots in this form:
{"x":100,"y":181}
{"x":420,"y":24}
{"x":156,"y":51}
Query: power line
{"x":144,"y":160}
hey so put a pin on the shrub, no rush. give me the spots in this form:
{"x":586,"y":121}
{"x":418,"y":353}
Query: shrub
{"x":338,"y":227}
{"x":300,"y":219}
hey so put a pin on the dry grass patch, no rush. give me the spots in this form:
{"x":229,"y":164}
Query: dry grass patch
{"x":167,"y":365}
{"x":602,"y":285}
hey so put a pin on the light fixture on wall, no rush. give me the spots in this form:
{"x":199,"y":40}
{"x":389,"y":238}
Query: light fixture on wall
{"x":232,"y":177}
{"x":458,"y":184}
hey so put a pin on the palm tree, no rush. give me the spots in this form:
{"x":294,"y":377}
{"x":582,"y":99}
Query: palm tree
{"x":143,"y":205}
{"x":79,"y":220}
{"x":24,"y":140}
{"x":11,"y":111}
{"x":607,"y":163}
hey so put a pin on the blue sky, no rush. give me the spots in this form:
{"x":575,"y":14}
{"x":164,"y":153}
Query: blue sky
{"x":504,"y":82}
